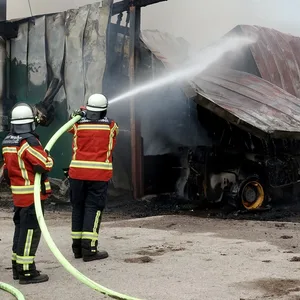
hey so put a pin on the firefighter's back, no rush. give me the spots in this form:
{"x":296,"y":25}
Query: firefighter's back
{"x":93,"y":143}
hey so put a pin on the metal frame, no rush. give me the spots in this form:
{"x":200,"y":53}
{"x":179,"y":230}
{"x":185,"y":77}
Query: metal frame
{"x":123,"y":5}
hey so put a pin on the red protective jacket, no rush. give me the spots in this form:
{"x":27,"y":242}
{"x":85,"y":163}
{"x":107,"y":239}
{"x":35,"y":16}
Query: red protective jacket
{"x":24,"y":156}
{"x":93,"y":144}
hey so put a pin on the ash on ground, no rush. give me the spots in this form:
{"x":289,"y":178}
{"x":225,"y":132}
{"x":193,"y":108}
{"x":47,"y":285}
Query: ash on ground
{"x":123,"y":206}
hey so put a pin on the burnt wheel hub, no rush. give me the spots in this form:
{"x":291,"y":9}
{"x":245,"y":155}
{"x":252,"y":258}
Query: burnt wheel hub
{"x":250,"y":194}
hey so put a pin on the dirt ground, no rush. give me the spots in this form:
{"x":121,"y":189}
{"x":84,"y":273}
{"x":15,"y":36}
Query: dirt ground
{"x":168,"y":250}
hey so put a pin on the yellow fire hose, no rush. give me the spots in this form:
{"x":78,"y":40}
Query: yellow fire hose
{"x":65,"y":263}
{"x":12,"y":290}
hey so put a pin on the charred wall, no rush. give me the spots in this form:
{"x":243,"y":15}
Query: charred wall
{"x":69,"y":46}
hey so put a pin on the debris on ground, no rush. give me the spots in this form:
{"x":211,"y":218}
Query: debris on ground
{"x":139,"y":260}
{"x":295,"y":259}
{"x":286,"y":237}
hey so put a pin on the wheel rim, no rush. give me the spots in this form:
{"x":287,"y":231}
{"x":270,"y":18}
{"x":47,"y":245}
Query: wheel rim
{"x":252,"y":195}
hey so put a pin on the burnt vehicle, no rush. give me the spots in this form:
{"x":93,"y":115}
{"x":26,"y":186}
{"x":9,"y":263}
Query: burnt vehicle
{"x":254,"y":126}
{"x":248,"y":108}
{"x":241,"y":169}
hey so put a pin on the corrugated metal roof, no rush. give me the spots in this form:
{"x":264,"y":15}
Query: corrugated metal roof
{"x":276,"y":54}
{"x":264,"y":105}
{"x":249,"y":102}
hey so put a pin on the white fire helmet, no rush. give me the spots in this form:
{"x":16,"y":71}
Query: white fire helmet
{"x":97,"y":102}
{"x":22,"y":113}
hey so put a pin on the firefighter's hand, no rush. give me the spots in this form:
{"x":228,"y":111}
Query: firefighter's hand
{"x":77,"y":112}
{"x":66,"y":172}
{"x":37,"y":120}
{"x":48,"y":153}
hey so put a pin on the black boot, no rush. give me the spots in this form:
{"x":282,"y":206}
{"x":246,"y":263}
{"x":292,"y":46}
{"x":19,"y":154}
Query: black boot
{"x":35,"y":277}
{"x":90,"y":256}
{"x":15,"y":270}
{"x":77,"y":254}
{"x":76,"y":247}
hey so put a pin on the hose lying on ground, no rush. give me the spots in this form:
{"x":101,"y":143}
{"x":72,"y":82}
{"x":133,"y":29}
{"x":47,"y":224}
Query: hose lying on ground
{"x":12,"y":290}
{"x":38,"y":209}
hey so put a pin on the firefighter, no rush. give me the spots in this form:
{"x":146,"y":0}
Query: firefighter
{"x":24,"y":156}
{"x":94,"y":138}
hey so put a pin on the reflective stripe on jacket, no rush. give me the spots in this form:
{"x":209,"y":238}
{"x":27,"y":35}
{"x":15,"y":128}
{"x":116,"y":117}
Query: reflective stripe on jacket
{"x":23,"y":156}
{"x":93,"y":144}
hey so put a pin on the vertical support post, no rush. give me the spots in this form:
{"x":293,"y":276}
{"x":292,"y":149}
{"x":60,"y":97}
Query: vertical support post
{"x":136,"y":141}
{"x":134,"y":179}
{"x":139,"y":148}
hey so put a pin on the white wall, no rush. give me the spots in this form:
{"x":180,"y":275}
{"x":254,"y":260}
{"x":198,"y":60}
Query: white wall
{"x":198,"y":21}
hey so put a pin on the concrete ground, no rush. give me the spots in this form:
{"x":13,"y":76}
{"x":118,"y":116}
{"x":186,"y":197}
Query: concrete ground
{"x":170,"y":257}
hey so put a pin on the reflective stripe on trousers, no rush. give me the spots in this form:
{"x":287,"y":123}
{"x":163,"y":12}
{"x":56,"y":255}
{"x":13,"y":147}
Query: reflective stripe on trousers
{"x":14,"y":257}
{"x":93,"y":236}
{"x":76,"y":235}
{"x":25,"y":259}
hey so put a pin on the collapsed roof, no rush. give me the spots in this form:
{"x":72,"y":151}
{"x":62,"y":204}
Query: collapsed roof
{"x":258,"y":89}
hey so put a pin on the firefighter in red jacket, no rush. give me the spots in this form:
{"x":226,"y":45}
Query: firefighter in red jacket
{"x":89,"y":173}
{"x":24,"y":156}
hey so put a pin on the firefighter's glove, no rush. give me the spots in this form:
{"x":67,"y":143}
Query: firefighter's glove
{"x":37,"y":120}
{"x":66,"y":172}
{"x":48,"y":154}
{"x":44,"y":177}
{"x":77,"y":112}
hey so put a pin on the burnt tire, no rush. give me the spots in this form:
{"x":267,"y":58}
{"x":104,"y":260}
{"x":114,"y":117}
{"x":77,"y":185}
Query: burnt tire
{"x":252,"y":194}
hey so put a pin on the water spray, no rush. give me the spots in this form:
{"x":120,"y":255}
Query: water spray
{"x":193,"y":67}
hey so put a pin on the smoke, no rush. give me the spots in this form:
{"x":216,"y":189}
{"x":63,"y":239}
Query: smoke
{"x":206,"y":21}
{"x":169,"y":118}
{"x":193,"y":67}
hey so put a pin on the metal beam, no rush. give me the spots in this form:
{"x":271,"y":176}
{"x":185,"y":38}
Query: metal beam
{"x":120,"y":7}
{"x":2,"y":10}
{"x":123,"y":5}
{"x":143,"y":3}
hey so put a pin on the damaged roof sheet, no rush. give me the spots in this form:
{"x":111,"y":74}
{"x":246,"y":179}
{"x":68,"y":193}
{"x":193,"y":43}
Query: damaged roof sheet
{"x":277,"y":56}
{"x":262,"y":106}
{"x":249,"y":102}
